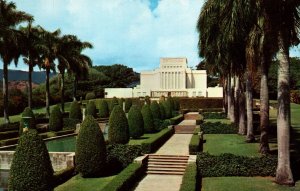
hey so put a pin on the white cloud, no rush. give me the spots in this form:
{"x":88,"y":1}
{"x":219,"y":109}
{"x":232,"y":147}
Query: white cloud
{"x":126,"y":32}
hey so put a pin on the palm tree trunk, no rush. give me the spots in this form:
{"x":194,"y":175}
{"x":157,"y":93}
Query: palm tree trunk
{"x":47,"y":93}
{"x":264,"y":108}
{"x":62,"y":91}
{"x":225,"y":100}
{"x":230,"y":99}
{"x":283,"y":173}
{"x":5,"y":92}
{"x":242,"y":110}
{"x":249,"y":103}
{"x":30,"y":85}
{"x":236,"y":99}
{"x":75,"y":87}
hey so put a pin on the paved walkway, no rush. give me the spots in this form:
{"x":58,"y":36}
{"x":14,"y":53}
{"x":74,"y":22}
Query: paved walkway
{"x":178,"y":144}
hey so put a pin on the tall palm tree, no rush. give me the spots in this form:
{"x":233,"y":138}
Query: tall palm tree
{"x":70,"y":59}
{"x":49,"y":48}
{"x":10,"y":17}
{"x":31,"y":53}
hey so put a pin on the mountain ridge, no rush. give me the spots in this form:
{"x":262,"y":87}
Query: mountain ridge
{"x":38,"y":77}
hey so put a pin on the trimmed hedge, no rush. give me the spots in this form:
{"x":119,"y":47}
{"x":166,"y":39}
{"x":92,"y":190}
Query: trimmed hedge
{"x":56,"y":119}
{"x":218,"y":128}
{"x":190,"y":180}
{"x":155,"y":142}
{"x":147,"y":100}
{"x":114,"y":101}
{"x":118,"y":131}
{"x":119,"y":156}
{"x":154,"y":107}
{"x":162,"y":111}
{"x":75,"y":111}
{"x":91,"y":109}
{"x":31,"y":167}
{"x":232,"y":165}
{"x":127,"y":178}
{"x":135,"y":122}
{"x":120,"y":102}
{"x":176,"y":120}
{"x":195,"y":145}
{"x":148,"y":119}
{"x":214,"y":115}
{"x":70,"y":123}
{"x":62,"y":176}
{"x":103,"y":109}
{"x":168,"y":108}
{"x":200,"y":103}
{"x":90,"y":149}
{"x":128,"y":104}
{"x":90,"y":95}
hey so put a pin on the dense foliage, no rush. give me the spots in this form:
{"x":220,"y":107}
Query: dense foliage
{"x":90,"y":149}
{"x":155,"y":110}
{"x":114,"y":101}
{"x":103,"y":109}
{"x":128,"y":104}
{"x":162,"y":111}
{"x":118,"y":131}
{"x":135,"y":122}
{"x":56,"y":119}
{"x":75,"y":111}
{"x":90,"y":95}
{"x":91,"y":109}
{"x":148,"y":119}
{"x":218,"y":128}
{"x":167,"y":108}
{"x":31,"y":167}
{"x":232,"y":165}
{"x":214,"y":115}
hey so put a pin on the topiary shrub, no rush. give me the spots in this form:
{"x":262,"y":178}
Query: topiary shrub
{"x":90,"y":149}
{"x":103,"y":109}
{"x":148,"y":119}
{"x":162,"y":111}
{"x":113,"y":103}
{"x":118,"y":131}
{"x":171,"y":99}
{"x":75,"y":111}
{"x":128,"y":104}
{"x":135,"y":122}
{"x":56,"y":119}
{"x":27,"y":113}
{"x":91,"y":109}
{"x":90,"y":95}
{"x":155,"y":110}
{"x":31,"y":167}
{"x":168,"y":108}
{"x":120,"y":102}
{"x":147,"y":100}
{"x":176,"y":104}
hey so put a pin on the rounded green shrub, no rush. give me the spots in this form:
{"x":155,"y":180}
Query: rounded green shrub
{"x":56,"y":119}
{"x":135,"y":122}
{"x":90,"y":95}
{"x":118,"y":131}
{"x":148,"y":119}
{"x":27,"y":113}
{"x":128,"y":104}
{"x":91,"y":109}
{"x":31,"y":167}
{"x":75,"y":111}
{"x":90,"y":149}
{"x":155,"y":110}
{"x":168,"y":108}
{"x":162,"y":111}
{"x":103,"y":109}
{"x":113,"y":103}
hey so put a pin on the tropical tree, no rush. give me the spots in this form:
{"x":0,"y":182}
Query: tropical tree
{"x":10,"y":17}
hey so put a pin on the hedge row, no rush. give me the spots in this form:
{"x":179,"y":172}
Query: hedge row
{"x":8,"y":134}
{"x":9,"y":126}
{"x":152,"y":144}
{"x":214,"y":115}
{"x":62,"y":176}
{"x":11,"y":141}
{"x":190,"y":180}
{"x":70,"y":123}
{"x":201,"y":103}
{"x":176,"y":120}
{"x":127,"y":178}
{"x":218,"y":128}
{"x":232,"y":165}
{"x":195,"y":145}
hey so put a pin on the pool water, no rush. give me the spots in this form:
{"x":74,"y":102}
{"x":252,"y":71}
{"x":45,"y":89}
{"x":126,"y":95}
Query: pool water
{"x":66,"y":144}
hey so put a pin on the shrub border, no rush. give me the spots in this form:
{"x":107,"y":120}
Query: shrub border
{"x":190,"y":180}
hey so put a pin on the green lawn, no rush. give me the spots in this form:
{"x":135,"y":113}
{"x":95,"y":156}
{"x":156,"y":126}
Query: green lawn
{"x":77,"y":183}
{"x":217,"y":144}
{"x":141,"y":139}
{"x":244,"y":184}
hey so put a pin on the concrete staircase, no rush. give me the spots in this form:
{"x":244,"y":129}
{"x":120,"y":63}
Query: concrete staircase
{"x":167,"y":164}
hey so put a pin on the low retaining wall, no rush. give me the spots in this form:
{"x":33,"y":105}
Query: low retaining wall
{"x":59,"y":160}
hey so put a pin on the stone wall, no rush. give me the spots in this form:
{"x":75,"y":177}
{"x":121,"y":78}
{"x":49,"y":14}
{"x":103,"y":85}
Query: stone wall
{"x":59,"y":160}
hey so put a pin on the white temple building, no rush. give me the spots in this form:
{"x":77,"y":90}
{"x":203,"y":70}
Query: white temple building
{"x":173,"y":77}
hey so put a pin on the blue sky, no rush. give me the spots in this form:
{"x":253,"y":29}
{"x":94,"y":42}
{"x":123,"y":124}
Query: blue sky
{"x":135,"y":33}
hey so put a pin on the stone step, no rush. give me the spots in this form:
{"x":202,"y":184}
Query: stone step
{"x":164,"y":173}
{"x":166,"y":166}
{"x":167,"y":163}
{"x":166,"y":169}
{"x":167,"y":160}
{"x":182,"y":157}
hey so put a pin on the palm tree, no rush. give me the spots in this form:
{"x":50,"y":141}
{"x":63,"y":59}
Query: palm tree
{"x":31,"y":53}
{"x":10,"y":17}
{"x":70,"y":59}
{"x":48,"y":47}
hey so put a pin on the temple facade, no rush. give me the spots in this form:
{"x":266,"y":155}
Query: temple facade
{"x":173,"y":77}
